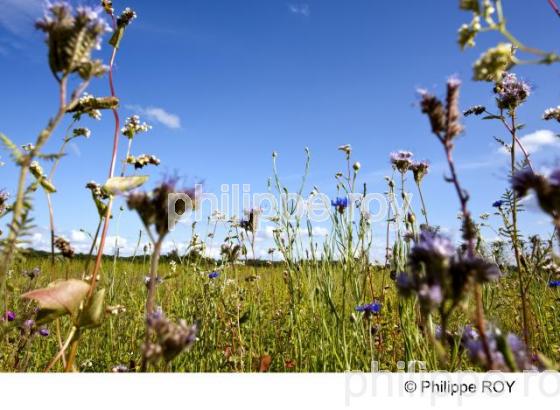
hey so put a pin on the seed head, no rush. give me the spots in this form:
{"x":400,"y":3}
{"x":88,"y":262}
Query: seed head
{"x":171,"y":338}
{"x":419,"y":170}
{"x":475,"y":110}
{"x":64,"y":247}
{"x":347,"y":149}
{"x":152,"y":207}
{"x":552,"y":114}
{"x":4,"y":196}
{"x":126,"y":17}
{"x":142,"y":160}
{"x":492,"y":64}
{"x":81,"y":132}
{"x":71,"y":37}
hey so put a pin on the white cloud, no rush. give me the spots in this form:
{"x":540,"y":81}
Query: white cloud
{"x":78,"y":236}
{"x":212,"y":252}
{"x":114,"y":242}
{"x":537,"y":140}
{"x":17,"y":16}
{"x":268,"y":232}
{"x":37,"y":238}
{"x":302,"y":9}
{"x":320,"y":231}
{"x":169,"y":246}
{"x":158,"y":114}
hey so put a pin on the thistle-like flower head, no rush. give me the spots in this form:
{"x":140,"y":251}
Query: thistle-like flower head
{"x":401,"y":160}
{"x":419,"y":170}
{"x":71,"y":37}
{"x":153,"y":207}
{"x":511,"y":92}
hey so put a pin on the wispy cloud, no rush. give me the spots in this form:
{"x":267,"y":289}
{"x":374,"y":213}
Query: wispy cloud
{"x":302,"y":9}
{"x":17,"y":15}
{"x":158,"y":114}
{"x":537,"y":140}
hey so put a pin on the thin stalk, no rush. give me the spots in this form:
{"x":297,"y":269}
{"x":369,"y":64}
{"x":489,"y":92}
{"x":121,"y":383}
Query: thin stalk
{"x":424,"y":211}
{"x":18,"y":207}
{"x":50,"y":178}
{"x":150,"y":300}
{"x":515,"y":238}
{"x":60,"y":353}
{"x":554,"y":7}
{"x":463,"y":199}
{"x":100,"y":250}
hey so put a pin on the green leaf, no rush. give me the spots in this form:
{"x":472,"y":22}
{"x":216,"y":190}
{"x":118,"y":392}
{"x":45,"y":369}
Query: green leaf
{"x":93,"y":312}
{"x":117,"y":185}
{"x":58,"y":299}
{"x":505,"y":349}
{"x":492,"y":117}
{"x":10,"y":146}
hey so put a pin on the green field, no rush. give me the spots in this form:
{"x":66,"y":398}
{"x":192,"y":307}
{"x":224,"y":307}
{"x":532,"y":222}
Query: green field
{"x":248,"y":313}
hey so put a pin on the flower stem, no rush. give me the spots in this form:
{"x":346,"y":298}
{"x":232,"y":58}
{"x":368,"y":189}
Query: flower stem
{"x":515,"y":239}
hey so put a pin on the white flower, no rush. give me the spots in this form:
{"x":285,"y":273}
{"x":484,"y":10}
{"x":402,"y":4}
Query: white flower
{"x":133,"y":126}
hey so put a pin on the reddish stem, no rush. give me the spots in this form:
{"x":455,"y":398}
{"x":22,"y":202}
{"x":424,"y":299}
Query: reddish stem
{"x":554,"y":7}
{"x":99,"y":256}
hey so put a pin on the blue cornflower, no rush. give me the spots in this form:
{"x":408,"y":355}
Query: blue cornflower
{"x":371,"y":308}
{"x":340,"y":204}
{"x":213,"y":275}
{"x":554,"y":283}
{"x":498,"y":204}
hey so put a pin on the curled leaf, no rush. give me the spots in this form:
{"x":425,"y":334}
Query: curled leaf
{"x":93,"y":313}
{"x":58,"y":299}
{"x":10,"y":146}
{"x":117,"y":185}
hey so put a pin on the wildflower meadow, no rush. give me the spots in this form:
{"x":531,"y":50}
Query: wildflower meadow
{"x":308,"y":276}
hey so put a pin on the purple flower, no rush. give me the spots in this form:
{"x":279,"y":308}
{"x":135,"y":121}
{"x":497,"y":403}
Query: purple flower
{"x":9,"y":316}
{"x":554,"y":283}
{"x":213,"y":275}
{"x":29,"y":323}
{"x":401,"y":160}
{"x":370,"y":308}
{"x":511,"y":92}
{"x":498,"y":204}
{"x":433,"y":243}
{"x":523,"y":180}
{"x":508,"y":352}
{"x":44,"y":332}
{"x":340,"y":204}
{"x":430,"y":296}
{"x":404,"y":283}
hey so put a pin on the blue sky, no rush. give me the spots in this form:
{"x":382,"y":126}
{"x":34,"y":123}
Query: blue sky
{"x":228,"y":82}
